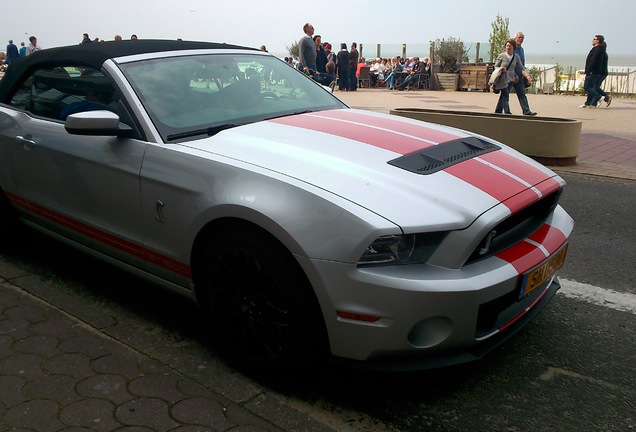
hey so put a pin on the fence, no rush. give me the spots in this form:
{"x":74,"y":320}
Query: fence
{"x":620,"y":81}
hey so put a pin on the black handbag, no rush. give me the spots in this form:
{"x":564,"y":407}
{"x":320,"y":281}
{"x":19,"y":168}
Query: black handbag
{"x":526,"y":83}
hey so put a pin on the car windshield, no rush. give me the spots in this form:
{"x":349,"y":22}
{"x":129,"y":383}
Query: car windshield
{"x":193,"y":96}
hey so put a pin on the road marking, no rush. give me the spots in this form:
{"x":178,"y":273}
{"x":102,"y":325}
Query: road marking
{"x":620,"y":301}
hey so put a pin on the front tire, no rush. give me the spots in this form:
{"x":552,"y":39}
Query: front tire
{"x":261,"y":302}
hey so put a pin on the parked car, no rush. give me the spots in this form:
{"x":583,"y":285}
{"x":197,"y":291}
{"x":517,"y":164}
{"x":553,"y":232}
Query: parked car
{"x":306,"y":229}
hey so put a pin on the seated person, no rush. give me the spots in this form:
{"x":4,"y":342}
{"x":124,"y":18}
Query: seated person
{"x":326,"y":78}
{"x":395,"y":74}
{"x":94,"y":100}
{"x":417,"y":70}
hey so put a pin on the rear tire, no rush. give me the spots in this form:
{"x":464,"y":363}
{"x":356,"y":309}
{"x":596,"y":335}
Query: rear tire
{"x":261,"y":302}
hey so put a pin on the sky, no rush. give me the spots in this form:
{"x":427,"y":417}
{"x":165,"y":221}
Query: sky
{"x":551,"y":27}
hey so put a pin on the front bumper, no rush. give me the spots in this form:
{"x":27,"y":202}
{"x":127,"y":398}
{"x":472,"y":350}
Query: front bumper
{"x":422,"y":360}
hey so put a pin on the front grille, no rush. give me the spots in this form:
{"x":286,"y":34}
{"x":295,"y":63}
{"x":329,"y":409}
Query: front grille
{"x":516,"y":227}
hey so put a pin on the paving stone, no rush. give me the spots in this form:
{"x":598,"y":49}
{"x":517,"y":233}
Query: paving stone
{"x":149,"y":412}
{"x":96,"y":414}
{"x":11,"y":390}
{"x":32,"y":313}
{"x":160,"y":386}
{"x":6,"y":346}
{"x":239,"y":415}
{"x":27,"y":366}
{"x":75,"y":365}
{"x":118,"y":365}
{"x":34,"y":415}
{"x":106,"y":386}
{"x":60,"y":388}
{"x":39,"y":344}
{"x":86,"y":344}
{"x":202,"y":411}
{"x":61,"y":328}
{"x":15,"y":327}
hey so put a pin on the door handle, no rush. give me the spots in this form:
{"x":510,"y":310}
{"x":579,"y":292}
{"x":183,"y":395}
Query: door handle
{"x":27,"y":141}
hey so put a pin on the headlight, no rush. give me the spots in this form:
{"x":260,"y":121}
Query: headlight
{"x":401,"y":249}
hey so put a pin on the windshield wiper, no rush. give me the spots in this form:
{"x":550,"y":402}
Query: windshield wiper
{"x":210,"y":131}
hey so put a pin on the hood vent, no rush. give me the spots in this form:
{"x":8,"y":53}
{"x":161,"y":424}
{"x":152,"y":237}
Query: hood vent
{"x":436,"y":158}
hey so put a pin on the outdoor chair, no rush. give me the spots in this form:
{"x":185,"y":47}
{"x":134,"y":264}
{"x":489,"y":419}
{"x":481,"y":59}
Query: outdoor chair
{"x":364,"y":76}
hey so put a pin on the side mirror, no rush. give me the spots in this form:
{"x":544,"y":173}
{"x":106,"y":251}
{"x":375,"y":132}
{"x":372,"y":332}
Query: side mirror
{"x":97,"y":123}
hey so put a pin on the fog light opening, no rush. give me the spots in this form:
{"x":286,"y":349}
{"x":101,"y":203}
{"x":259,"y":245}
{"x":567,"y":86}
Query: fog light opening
{"x":430,"y":332}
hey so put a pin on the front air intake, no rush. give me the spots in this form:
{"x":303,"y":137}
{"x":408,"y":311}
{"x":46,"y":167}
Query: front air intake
{"x":436,"y":158}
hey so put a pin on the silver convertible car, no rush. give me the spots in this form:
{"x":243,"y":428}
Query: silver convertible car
{"x":307,"y":230}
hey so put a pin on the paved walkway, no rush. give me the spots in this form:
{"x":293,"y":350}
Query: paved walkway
{"x":57,"y":372}
{"x":608,"y":135}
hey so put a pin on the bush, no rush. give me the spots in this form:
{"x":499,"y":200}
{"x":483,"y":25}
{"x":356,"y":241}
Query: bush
{"x":450,"y":52}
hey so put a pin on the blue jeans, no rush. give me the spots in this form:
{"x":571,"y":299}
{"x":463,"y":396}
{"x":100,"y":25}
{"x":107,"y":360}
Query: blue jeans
{"x":408,"y":79}
{"x":390,"y":80}
{"x":591,"y":85}
{"x":503,"y":104}
{"x":600,"y":91}
{"x":521,"y":95}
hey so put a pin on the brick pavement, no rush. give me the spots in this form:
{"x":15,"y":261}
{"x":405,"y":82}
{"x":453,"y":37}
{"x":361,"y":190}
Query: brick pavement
{"x":59,"y":373}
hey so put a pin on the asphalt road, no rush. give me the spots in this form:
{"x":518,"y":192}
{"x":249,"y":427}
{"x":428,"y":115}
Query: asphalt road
{"x":572,"y":369}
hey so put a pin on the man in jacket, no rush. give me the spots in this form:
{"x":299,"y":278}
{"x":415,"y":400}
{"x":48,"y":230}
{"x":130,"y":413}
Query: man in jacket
{"x":12,"y":52}
{"x":593,"y":72}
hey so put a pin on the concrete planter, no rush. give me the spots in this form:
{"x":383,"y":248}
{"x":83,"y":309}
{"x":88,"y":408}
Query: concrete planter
{"x":551,"y":141}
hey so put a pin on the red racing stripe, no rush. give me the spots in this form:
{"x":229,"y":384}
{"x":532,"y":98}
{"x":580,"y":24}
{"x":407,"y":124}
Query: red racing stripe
{"x":376,"y":137}
{"x":550,"y":237}
{"x":104,"y":237}
{"x":400,"y":137}
{"x":524,"y":255}
{"x":418,"y":130}
{"x":524,"y":171}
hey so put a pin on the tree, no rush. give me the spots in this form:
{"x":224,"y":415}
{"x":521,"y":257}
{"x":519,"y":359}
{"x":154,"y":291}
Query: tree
{"x":294,"y":50}
{"x":498,"y":37}
{"x":450,"y":53}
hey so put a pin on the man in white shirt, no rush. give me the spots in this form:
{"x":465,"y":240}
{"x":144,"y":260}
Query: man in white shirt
{"x":33,"y":46}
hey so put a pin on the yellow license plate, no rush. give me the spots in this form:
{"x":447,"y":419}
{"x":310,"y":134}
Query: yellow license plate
{"x":536,"y":277}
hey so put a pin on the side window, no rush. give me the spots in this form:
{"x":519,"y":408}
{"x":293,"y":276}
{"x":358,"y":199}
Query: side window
{"x":57,"y":92}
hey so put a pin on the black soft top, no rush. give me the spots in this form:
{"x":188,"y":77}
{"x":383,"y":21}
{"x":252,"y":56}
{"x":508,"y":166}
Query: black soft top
{"x":94,"y":55}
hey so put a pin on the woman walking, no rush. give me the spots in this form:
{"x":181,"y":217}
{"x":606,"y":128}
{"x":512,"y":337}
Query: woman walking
{"x":511,"y":69}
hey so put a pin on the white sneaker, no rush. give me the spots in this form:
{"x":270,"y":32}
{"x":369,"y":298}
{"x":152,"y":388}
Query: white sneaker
{"x":583,"y":106}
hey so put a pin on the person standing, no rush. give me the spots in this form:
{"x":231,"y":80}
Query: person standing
{"x":593,"y":72}
{"x":22,"y":49}
{"x":353,"y":67}
{"x":12,"y":52}
{"x":511,"y":69}
{"x":343,"y":67}
{"x":86,"y":38}
{"x":519,"y":85}
{"x":33,"y":45}
{"x":307,"y":49}
{"x":321,"y":55}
